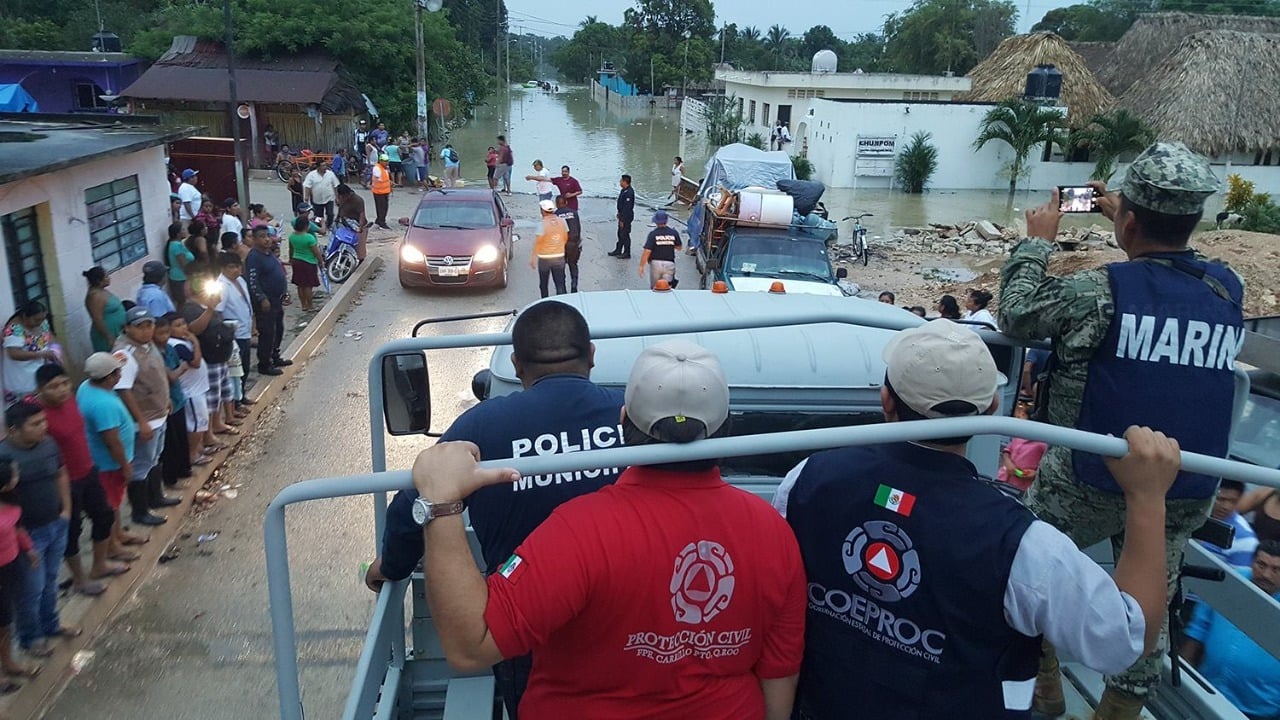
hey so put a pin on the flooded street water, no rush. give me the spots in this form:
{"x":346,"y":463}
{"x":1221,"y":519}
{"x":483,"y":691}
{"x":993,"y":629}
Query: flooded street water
{"x":570,"y":128}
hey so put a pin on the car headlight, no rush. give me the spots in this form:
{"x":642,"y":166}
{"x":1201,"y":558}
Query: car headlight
{"x":412,"y":255}
{"x":486,"y":254}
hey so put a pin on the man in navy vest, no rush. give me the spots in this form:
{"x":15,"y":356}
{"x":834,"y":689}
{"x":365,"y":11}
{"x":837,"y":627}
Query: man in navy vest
{"x":559,"y":411}
{"x":1150,"y":342}
{"x":928,"y":586}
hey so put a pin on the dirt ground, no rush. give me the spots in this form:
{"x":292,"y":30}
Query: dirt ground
{"x":922,"y":278}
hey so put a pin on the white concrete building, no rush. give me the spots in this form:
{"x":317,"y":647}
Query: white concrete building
{"x":767,"y":97}
{"x":73,"y":196}
{"x":854,"y":144}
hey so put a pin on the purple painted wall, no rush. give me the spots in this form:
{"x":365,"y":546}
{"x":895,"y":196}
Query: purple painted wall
{"x":63,"y":86}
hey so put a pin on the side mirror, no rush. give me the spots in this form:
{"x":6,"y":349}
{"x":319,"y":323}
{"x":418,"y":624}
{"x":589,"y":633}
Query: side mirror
{"x":404,"y":222}
{"x":406,"y":394}
{"x":712,"y":263}
{"x":508,"y":222}
{"x":480,"y":384}
{"x":842,"y":273}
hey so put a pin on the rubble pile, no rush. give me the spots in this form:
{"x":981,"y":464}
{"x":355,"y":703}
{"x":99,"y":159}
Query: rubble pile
{"x":980,"y":237}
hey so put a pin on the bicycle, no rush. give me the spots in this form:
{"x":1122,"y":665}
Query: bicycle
{"x":859,"y":237}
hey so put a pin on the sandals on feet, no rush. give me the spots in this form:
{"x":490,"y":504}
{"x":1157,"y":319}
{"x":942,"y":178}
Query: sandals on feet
{"x":114,"y":570}
{"x":202,"y":460}
{"x":215,"y":448}
{"x":67,"y":632}
{"x":42,"y":650}
{"x":227,"y":431}
{"x":135,"y":540}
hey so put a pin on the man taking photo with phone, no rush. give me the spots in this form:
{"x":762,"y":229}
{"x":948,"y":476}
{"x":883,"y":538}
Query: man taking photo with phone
{"x":1123,"y":335}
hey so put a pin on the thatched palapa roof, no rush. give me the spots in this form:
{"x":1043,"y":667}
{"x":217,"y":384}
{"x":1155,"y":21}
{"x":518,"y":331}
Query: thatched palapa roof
{"x":1003,"y":74}
{"x":1097,"y":55}
{"x":1154,"y":36}
{"x":1215,"y":93}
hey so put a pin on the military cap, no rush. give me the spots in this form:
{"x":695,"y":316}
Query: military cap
{"x":1168,"y":178}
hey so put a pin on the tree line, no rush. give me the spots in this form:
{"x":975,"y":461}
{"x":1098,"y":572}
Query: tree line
{"x":667,"y":43}
{"x":373,"y":39}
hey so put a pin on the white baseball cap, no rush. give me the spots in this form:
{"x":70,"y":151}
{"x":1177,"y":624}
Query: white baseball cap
{"x":547,"y":205}
{"x":941,"y":361}
{"x":677,"y":379}
{"x":102,"y":364}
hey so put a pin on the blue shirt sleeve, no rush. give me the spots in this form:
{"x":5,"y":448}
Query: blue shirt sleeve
{"x":402,"y":537}
{"x":1201,"y":622}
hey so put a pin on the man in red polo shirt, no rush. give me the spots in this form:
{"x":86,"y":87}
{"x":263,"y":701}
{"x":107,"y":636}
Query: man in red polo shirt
{"x":569,"y":187}
{"x":66,"y":427}
{"x":667,"y":594}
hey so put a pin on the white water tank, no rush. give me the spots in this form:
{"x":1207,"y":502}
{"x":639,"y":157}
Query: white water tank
{"x":824,"y":61}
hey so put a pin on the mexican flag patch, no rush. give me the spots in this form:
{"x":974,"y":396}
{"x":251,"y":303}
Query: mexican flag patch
{"x":895,"y":500}
{"x":513,"y":568}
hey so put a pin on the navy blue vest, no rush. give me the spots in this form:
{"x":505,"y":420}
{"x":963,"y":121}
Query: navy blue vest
{"x":1167,"y":362}
{"x":906,"y":611}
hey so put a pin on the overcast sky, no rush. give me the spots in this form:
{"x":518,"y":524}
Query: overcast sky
{"x":846,"y":17}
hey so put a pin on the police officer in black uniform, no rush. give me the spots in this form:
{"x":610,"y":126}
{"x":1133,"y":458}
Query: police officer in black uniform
{"x":573,"y":248}
{"x":559,"y":411}
{"x":928,"y":587}
{"x":626,"y":214}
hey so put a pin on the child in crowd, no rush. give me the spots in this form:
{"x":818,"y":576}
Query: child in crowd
{"x":175,"y":458}
{"x":235,"y":369}
{"x":15,"y":548}
{"x":195,"y":385}
{"x":1020,"y":459}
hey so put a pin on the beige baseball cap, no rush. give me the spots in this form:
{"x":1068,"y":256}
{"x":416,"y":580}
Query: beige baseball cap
{"x":941,"y":361}
{"x":677,"y":379}
{"x":102,"y":364}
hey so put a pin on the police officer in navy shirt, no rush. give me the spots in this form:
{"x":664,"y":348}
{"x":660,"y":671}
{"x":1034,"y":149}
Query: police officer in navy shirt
{"x":560,"y":410}
{"x":929,"y":588}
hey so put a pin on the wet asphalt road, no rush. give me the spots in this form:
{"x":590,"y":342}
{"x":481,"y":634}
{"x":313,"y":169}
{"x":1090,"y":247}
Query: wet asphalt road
{"x":195,"y":641}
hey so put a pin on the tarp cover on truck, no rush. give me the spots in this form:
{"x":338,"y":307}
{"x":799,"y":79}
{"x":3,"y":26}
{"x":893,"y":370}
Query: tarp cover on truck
{"x":739,"y":166}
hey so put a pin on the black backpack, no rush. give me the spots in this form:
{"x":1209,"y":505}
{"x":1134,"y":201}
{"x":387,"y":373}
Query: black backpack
{"x":453,"y":155}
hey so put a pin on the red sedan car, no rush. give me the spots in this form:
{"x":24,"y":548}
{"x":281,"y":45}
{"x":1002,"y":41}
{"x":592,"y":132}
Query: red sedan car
{"x":458,"y":237}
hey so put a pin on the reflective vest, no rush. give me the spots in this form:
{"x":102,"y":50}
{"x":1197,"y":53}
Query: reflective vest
{"x":907,"y":554}
{"x":1167,"y":362}
{"x":381,"y":180}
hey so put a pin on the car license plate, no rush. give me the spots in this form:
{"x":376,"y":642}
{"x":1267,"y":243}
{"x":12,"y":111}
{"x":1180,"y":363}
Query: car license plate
{"x":449,"y":271}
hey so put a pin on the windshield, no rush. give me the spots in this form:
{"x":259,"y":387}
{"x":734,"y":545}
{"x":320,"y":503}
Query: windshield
{"x":778,"y":257}
{"x":465,"y":216}
{"x":1257,"y":434}
{"x":779,"y":464}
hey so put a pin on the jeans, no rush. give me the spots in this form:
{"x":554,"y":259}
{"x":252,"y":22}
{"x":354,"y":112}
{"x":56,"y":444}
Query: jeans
{"x":270,"y":331}
{"x":380,"y":206}
{"x":38,"y":610}
{"x":553,"y":268}
{"x":146,"y":453}
{"x":245,"y":348}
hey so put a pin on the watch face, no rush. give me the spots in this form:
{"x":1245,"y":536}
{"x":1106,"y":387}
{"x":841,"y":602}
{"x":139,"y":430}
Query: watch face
{"x":420,"y":513}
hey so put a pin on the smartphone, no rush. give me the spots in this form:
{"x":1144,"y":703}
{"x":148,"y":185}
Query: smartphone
{"x":1078,"y":199}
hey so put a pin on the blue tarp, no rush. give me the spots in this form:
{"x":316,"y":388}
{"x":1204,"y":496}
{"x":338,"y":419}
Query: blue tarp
{"x":15,"y":98}
{"x":735,"y":167}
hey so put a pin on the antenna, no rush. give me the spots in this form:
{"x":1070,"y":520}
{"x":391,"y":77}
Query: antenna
{"x":98,"y":9}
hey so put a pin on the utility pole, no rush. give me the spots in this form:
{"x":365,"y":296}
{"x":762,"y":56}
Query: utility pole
{"x":723,"y":27}
{"x":242,"y":184}
{"x":421,"y":67}
{"x":684,"y":83}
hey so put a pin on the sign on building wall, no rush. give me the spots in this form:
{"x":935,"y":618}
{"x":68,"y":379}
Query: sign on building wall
{"x":875,"y":155}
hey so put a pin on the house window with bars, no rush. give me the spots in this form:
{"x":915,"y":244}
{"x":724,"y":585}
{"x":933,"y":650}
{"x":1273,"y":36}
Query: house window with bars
{"x":117,"y":232}
{"x":26,"y":260}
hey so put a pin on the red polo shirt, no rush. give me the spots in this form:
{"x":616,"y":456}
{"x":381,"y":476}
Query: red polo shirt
{"x":568,"y":185}
{"x":66,"y":427}
{"x":664,"y":595}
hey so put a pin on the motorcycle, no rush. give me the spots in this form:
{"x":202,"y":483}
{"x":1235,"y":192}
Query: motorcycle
{"x":341,"y":258}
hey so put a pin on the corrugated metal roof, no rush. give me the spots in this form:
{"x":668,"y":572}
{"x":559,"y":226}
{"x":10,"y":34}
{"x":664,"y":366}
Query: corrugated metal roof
{"x":168,"y":82}
{"x":196,"y":70}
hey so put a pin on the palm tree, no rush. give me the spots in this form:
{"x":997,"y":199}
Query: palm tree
{"x":1022,"y":126}
{"x":776,"y":41}
{"x":1111,"y":135}
{"x":750,"y":33}
{"x":588,"y":20}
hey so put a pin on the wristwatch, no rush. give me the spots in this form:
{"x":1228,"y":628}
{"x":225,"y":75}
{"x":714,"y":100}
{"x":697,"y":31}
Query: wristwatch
{"x":424,"y":511}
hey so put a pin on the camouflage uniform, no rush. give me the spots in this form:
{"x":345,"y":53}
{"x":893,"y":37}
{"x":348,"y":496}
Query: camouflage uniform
{"x":1076,"y":312}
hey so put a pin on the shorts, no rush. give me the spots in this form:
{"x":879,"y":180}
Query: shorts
{"x":219,"y":385}
{"x":503,"y":173}
{"x":305,"y":274}
{"x":659,"y":269}
{"x":197,"y":414}
{"x":113,"y":484}
{"x":396,"y":167}
{"x":489,"y":170}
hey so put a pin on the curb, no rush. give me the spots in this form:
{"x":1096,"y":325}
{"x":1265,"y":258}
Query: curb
{"x":31,"y":702}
